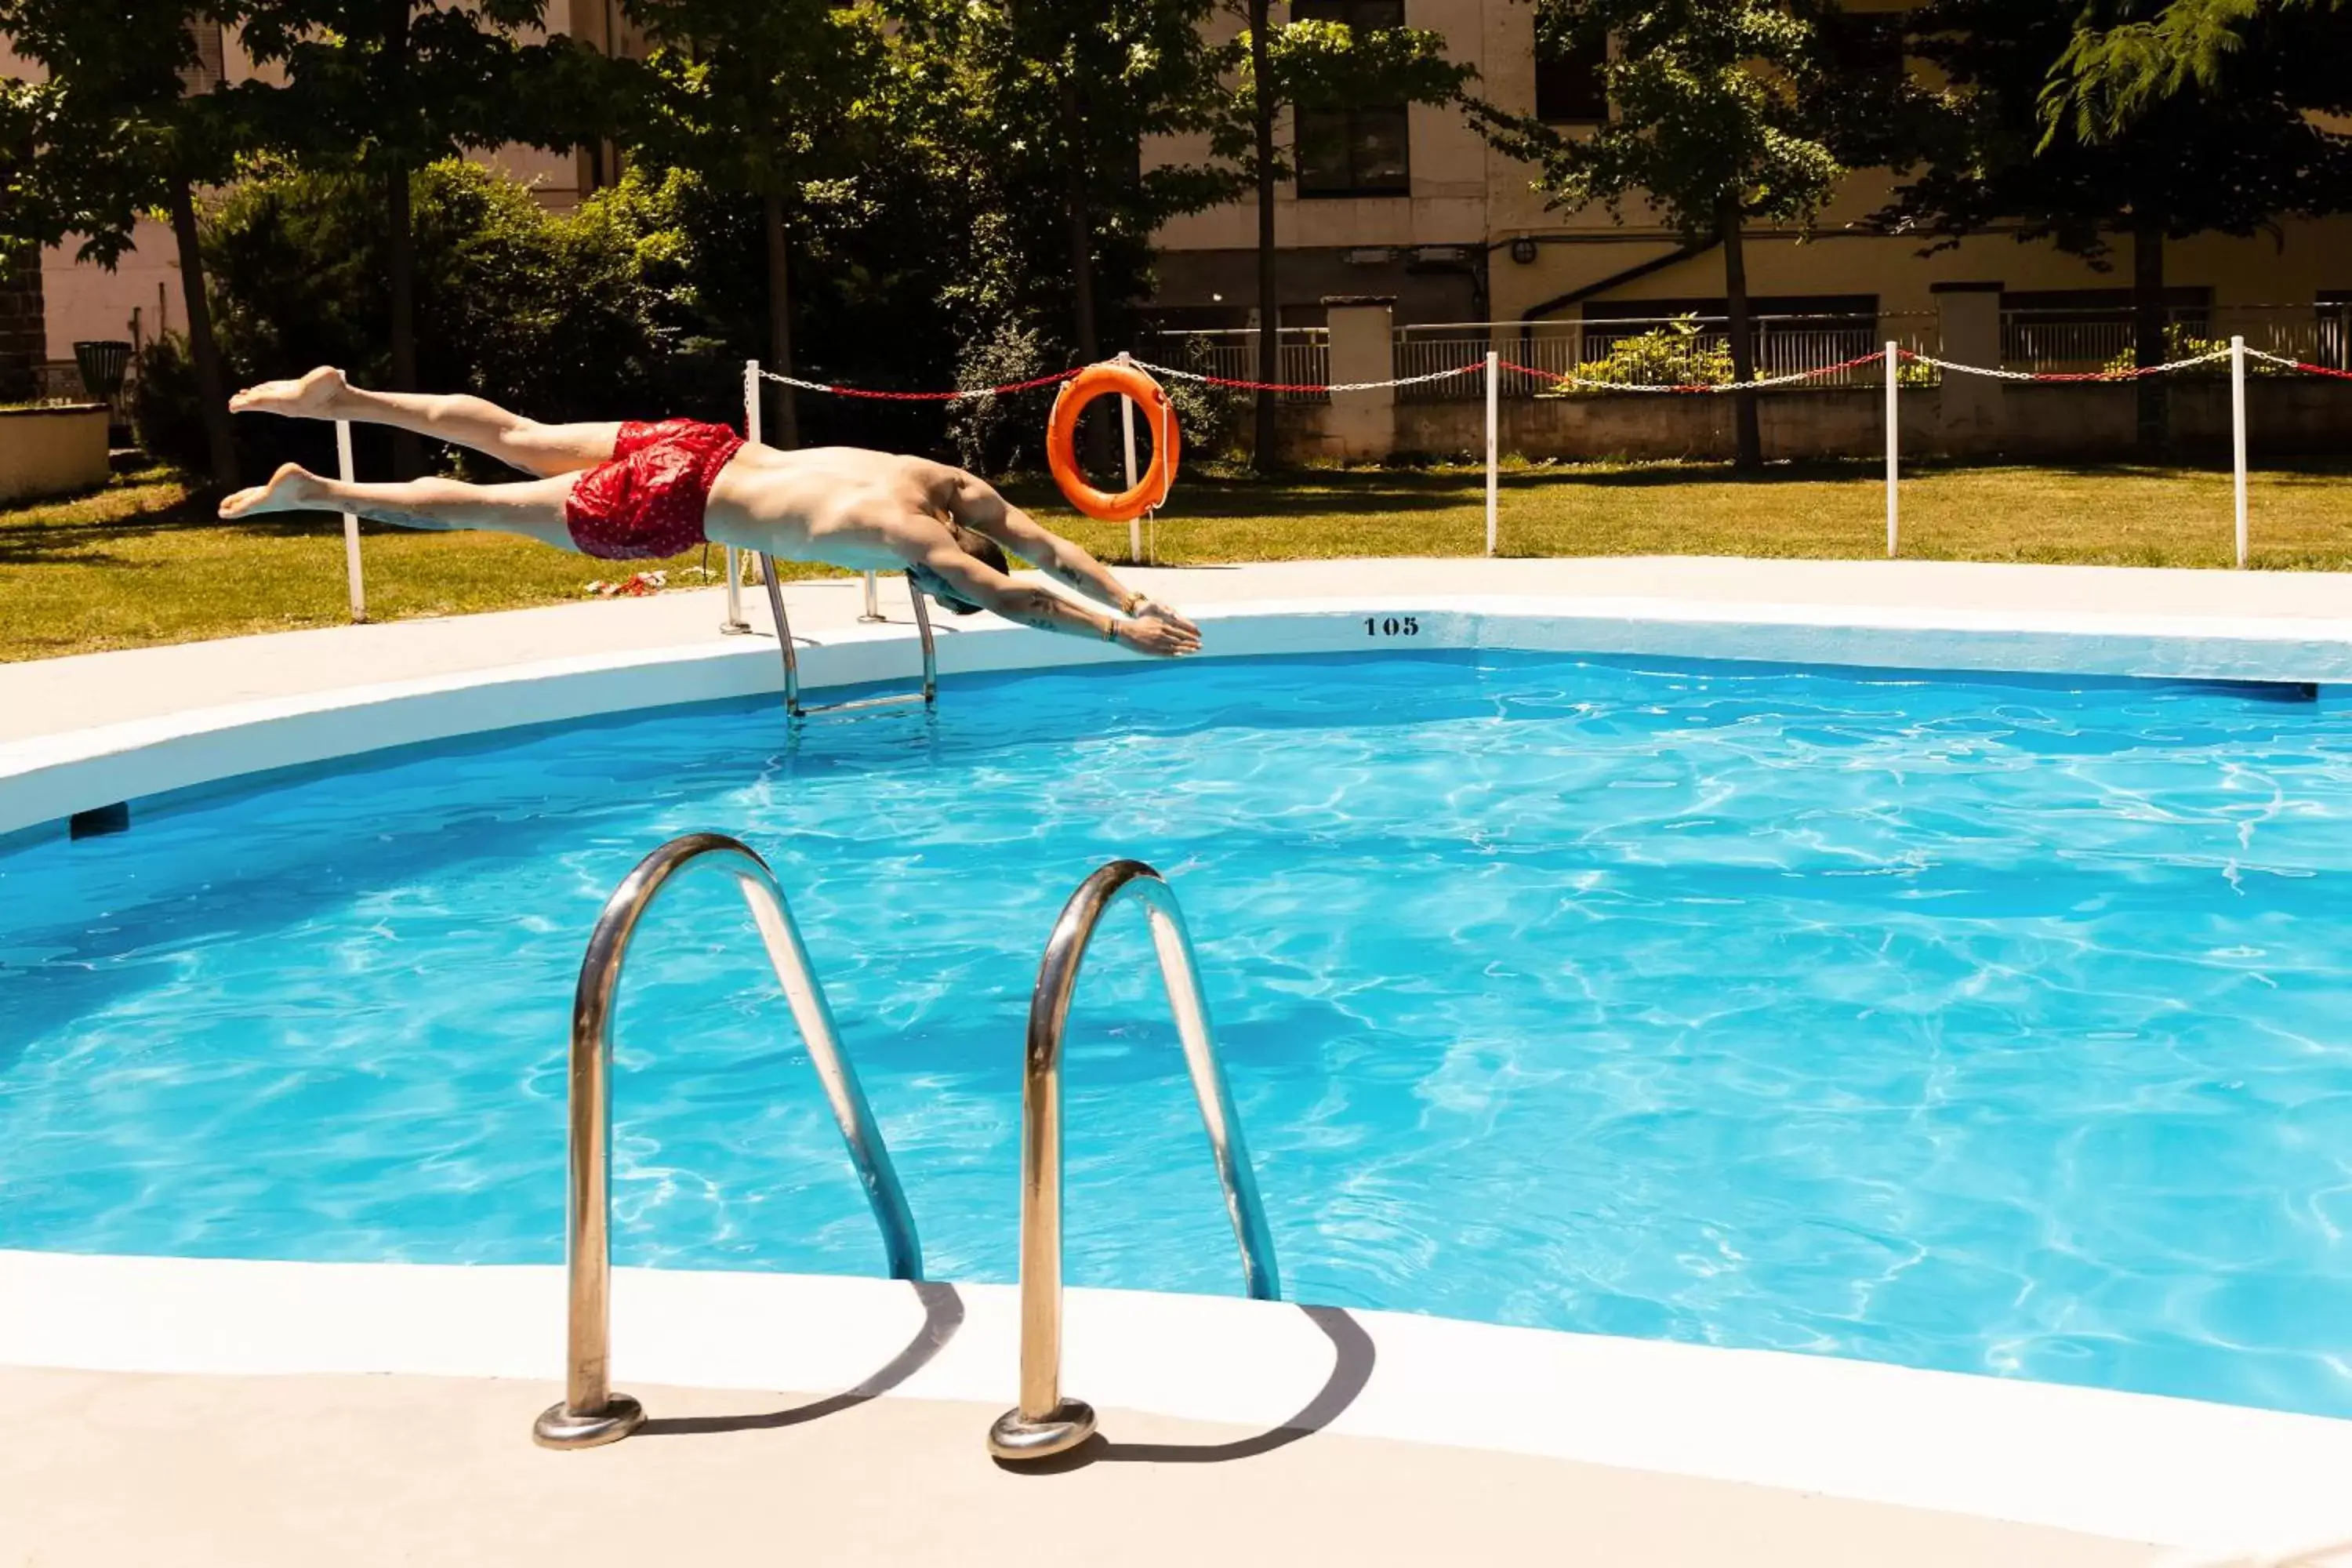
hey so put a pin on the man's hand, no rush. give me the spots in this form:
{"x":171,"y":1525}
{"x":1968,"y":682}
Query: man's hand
{"x":1156,"y":611}
{"x":1161,"y":636}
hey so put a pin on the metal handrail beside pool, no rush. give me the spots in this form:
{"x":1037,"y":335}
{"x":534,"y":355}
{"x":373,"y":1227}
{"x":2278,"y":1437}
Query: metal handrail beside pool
{"x":929,"y":696}
{"x":1044,"y":1422}
{"x":592,"y":1413}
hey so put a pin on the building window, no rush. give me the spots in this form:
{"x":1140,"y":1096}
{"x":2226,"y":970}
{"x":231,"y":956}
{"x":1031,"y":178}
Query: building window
{"x":209,"y":69}
{"x":1359,"y":151}
{"x":1354,"y":13}
{"x":1353,"y":153}
{"x":1569,"y":85}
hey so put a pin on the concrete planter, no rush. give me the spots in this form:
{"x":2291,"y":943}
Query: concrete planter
{"x":52,"y":451}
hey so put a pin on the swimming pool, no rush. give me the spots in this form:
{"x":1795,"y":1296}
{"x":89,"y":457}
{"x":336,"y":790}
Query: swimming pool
{"x":1977,"y":1025}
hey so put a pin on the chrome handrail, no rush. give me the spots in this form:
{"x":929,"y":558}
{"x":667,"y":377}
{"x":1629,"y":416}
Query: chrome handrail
{"x":1044,"y":1422}
{"x":591,"y":1412}
{"x":792,"y":704}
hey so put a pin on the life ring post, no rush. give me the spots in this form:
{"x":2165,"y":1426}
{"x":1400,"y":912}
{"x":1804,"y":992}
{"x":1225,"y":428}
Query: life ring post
{"x":1127,"y":430}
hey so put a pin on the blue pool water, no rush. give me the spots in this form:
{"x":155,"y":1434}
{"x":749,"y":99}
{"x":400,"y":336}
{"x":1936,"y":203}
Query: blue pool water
{"x":1989,"y":1026}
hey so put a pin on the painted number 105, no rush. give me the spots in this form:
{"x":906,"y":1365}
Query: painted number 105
{"x":1391,"y":626}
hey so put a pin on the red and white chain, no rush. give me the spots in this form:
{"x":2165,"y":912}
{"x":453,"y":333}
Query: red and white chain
{"x":1243,"y":385}
{"x":2304,"y":365}
{"x":2135,"y":373}
{"x":1568,"y":379}
{"x":1030,"y":386}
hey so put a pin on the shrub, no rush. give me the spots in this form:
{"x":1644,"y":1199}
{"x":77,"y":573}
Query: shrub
{"x":1213,"y":420}
{"x":1674,"y":354}
{"x":580,"y":315}
{"x":163,"y":407}
{"x":1003,"y":434}
{"x":2180,"y":344}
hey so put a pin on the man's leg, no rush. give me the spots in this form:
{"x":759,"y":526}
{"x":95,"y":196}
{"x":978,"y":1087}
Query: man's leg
{"x":519,"y":443}
{"x":534,"y":509}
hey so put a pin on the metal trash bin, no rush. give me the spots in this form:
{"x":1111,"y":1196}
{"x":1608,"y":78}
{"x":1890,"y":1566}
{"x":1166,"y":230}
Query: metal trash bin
{"x":105,"y":365}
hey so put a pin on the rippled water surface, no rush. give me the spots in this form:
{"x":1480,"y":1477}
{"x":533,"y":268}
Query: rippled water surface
{"x":1995,"y":1027}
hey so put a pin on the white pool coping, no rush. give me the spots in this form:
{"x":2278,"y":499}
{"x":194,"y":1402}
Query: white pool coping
{"x":2208,"y":1479}
{"x":2205,"y":1477}
{"x":46,"y":778}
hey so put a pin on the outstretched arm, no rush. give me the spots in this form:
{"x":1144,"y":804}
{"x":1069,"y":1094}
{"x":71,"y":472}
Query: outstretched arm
{"x":976,"y":581}
{"x":976,"y":505}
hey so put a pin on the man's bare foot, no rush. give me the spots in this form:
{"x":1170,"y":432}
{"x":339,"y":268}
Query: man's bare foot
{"x":291,"y":488}
{"x":312,"y":397}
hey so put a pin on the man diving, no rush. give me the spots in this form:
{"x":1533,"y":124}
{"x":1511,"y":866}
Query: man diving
{"x":645,"y":491}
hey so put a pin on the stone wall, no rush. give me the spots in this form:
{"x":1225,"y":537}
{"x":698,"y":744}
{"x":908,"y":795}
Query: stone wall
{"x":55,"y":451}
{"x":24,"y":332}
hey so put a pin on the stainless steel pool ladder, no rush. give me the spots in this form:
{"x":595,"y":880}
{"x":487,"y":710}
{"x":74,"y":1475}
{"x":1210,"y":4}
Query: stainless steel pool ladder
{"x":591,"y":1412}
{"x":1044,"y":1422}
{"x":929,"y":695}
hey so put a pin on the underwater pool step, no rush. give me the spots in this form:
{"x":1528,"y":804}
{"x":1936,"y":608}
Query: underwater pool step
{"x":929,"y":695}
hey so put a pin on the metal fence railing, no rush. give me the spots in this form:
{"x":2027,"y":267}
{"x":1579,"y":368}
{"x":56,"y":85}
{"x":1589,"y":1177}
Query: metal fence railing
{"x":1425,"y":350}
{"x":1785,"y":345}
{"x":59,"y":381}
{"x":2078,"y":340}
{"x":1304,"y":355}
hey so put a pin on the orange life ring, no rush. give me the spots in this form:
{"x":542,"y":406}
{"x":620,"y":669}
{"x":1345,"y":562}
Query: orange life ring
{"x":1151,"y":488}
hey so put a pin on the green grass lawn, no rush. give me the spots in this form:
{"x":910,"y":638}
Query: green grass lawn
{"x":142,"y":563}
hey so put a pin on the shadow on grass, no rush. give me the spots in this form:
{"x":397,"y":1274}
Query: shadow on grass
{"x":37,"y":543}
{"x":1303,"y":494}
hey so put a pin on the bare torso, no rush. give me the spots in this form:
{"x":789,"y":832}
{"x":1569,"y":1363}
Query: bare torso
{"x":840,"y":505}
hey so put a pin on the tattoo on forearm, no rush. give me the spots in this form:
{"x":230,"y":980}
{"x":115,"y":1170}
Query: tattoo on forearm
{"x":1049,"y":613}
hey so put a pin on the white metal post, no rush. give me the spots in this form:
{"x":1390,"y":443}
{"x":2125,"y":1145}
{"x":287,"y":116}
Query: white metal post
{"x":873,"y":610}
{"x":735,"y":624}
{"x":350,"y":524}
{"x":1126,"y":424}
{"x":1893,"y":418}
{"x":2238,"y":434}
{"x":1493,"y":377}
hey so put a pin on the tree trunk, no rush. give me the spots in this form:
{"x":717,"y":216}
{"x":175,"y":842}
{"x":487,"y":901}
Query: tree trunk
{"x":400,"y":270}
{"x":787,"y":430}
{"x":1748,"y":432}
{"x":204,"y":351}
{"x":1082,"y":262}
{"x":2147,"y":332}
{"x":400,"y":237}
{"x":1265,"y":456}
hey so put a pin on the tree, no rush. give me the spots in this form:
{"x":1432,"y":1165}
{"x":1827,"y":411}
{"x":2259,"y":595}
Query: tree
{"x":1314,"y":63}
{"x":381,"y":88}
{"x":2115,"y":70}
{"x":2231,"y":157}
{"x":762,"y":100}
{"x":119,"y":129}
{"x":1715,"y":123}
{"x":583,"y":314}
{"x":1054,"y":99}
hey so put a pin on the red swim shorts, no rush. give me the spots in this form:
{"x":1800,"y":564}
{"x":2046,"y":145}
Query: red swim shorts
{"x":648,"y":501}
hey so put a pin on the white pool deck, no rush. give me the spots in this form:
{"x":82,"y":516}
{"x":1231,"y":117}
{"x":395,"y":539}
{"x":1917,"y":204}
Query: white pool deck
{"x":266,"y":1413}
{"x":59,"y":694}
